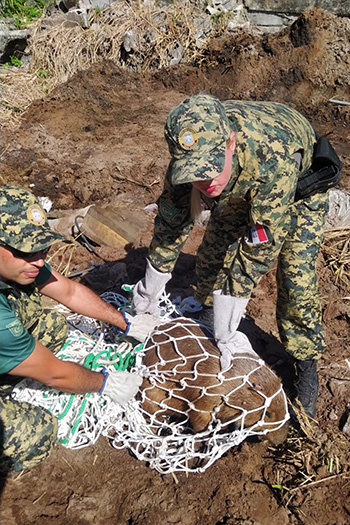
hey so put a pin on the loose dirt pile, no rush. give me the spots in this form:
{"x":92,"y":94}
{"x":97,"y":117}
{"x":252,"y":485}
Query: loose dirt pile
{"x":99,"y":139}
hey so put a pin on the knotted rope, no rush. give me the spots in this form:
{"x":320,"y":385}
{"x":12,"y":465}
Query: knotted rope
{"x":166,"y":444}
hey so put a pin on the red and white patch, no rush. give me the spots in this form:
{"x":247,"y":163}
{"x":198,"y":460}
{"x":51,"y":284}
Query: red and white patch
{"x":257,"y":234}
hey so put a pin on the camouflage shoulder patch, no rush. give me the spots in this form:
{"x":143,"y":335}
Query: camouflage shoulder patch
{"x":168,"y":212}
{"x":16,"y":328}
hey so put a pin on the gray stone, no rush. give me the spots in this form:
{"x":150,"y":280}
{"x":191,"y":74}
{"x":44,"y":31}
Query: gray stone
{"x":338,"y":7}
{"x":280,"y":6}
{"x":202,"y":27}
{"x":270,"y":21}
{"x":80,"y":16}
{"x":176,"y":54}
{"x":12,"y":42}
{"x":221,"y":6}
{"x":69,"y":4}
{"x":339,"y":209}
{"x":346,"y":426}
{"x":94,"y":4}
{"x":58,"y":20}
{"x":130,"y":41}
{"x":239,"y":18}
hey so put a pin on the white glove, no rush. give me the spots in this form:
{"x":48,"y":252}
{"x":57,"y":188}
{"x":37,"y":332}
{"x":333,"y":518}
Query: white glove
{"x":120,"y":385}
{"x":140,"y":326}
{"x":228,"y":312}
{"x":239,"y":344}
{"x":147,"y":291}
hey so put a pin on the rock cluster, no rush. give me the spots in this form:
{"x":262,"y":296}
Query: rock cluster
{"x":267,"y":16}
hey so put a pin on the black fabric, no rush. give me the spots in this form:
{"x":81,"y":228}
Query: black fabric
{"x":324,"y":172}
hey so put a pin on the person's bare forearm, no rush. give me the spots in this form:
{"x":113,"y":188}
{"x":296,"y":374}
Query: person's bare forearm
{"x":81,"y":299}
{"x":86,"y":302}
{"x":70,"y":377}
{"x":66,"y":376}
{"x":75,"y":379}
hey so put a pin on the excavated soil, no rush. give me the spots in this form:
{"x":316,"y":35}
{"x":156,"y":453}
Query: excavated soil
{"x":98,"y":139}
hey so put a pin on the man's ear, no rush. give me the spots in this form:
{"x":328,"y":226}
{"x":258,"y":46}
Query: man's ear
{"x":231,"y":143}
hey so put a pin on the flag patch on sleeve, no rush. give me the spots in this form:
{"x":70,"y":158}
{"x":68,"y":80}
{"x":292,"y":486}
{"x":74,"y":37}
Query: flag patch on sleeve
{"x":257,"y":234}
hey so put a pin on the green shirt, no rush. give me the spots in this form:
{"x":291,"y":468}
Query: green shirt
{"x":16,"y":341}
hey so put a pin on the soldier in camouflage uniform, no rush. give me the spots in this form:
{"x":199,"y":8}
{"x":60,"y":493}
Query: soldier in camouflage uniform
{"x":30,"y":334}
{"x":244,"y":159}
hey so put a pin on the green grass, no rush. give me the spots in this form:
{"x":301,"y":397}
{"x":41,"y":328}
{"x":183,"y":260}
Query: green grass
{"x":23,"y":11}
{"x":13,"y":62}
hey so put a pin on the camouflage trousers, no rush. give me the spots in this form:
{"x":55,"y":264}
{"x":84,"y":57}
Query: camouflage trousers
{"x":298,"y":312}
{"x":27,"y":432}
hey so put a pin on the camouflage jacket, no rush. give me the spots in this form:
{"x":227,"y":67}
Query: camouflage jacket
{"x":24,"y":301}
{"x":261,"y":191}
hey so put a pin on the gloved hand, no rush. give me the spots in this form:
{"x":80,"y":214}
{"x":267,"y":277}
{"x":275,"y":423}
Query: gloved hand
{"x":239,"y":344}
{"x":140,"y":326}
{"x":147,"y":291}
{"x":120,"y":385}
{"x":228,"y":312}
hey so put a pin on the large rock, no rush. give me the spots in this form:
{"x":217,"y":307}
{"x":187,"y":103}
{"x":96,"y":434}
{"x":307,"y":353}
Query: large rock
{"x":270,"y":22}
{"x":338,"y":7}
{"x":12,"y":41}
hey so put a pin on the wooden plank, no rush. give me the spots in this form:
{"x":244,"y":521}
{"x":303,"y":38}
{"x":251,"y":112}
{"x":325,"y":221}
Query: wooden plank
{"x":112,"y":227}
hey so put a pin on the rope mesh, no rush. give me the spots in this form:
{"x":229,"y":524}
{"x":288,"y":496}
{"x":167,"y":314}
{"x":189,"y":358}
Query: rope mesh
{"x":168,"y":424}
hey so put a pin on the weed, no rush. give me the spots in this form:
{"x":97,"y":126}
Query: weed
{"x":21,"y":12}
{"x":16,"y":62}
{"x":43,"y":73}
{"x":13,"y":62}
{"x":220,"y":20}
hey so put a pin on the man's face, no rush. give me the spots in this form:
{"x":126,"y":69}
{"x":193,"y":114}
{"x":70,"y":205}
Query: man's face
{"x":19,"y":267}
{"x":214,"y":187}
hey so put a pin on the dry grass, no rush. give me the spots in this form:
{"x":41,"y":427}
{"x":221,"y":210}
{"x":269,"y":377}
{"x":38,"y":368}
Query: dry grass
{"x":154,"y":34}
{"x":60,"y":52}
{"x":60,"y":257}
{"x":18,"y":90}
{"x":336,"y":250}
{"x":308,"y":458}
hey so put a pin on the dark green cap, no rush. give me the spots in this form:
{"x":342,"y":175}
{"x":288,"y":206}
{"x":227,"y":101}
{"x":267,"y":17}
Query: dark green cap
{"x":196,"y":131}
{"x":23,"y":222}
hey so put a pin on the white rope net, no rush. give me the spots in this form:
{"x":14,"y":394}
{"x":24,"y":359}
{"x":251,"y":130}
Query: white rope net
{"x":187,"y":414}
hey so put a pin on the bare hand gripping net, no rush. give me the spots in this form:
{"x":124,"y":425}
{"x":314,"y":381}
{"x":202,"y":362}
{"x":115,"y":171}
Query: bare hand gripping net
{"x":187,"y":414}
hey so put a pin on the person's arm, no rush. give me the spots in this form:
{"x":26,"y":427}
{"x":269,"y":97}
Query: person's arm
{"x":66,"y":376}
{"x":70,"y":377}
{"x":172,"y":225}
{"x":81,"y":299}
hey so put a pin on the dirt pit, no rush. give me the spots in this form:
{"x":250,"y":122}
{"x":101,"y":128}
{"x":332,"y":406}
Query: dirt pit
{"x":98,"y":139}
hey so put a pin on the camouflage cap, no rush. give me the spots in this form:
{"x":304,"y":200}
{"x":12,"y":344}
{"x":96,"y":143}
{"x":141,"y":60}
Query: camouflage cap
{"x":196,"y":131}
{"x":23,"y":222}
